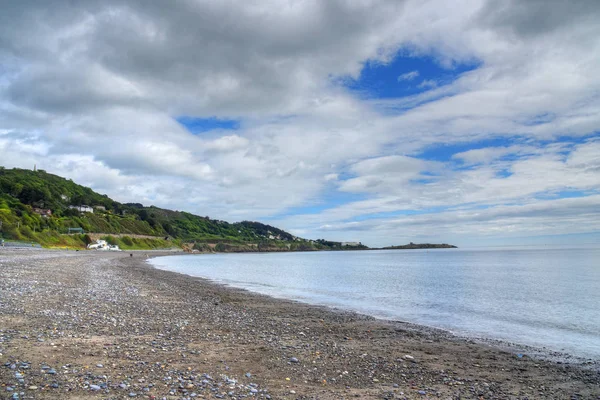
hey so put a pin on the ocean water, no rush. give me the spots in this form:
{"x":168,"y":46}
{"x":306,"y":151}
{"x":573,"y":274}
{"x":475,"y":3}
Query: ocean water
{"x":547,"y":298}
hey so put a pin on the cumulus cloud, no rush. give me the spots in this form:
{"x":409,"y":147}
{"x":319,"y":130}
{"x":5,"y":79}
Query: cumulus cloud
{"x":93,"y":91}
{"x":227,"y":143}
{"x":474,"y":195}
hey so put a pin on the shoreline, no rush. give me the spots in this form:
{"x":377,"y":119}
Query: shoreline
{"x":111,"y":325}
{"x":533,"y":351}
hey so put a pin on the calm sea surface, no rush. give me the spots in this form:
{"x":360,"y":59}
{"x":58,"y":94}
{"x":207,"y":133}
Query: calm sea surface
{"x":541,"y":297}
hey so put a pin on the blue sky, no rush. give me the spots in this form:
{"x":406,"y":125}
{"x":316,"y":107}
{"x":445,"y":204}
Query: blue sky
{"x":201,"y":125}
{"x":385,"y":122}
{"x":405,"y":75}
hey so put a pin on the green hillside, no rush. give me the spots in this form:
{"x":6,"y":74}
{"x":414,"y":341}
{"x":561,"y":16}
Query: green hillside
{"x":38,"y":206}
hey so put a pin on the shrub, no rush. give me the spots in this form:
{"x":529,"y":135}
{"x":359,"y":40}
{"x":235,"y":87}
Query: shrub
{"x":220,"y":247}
{"x":110,"y":240}
{"x":127,"y":240}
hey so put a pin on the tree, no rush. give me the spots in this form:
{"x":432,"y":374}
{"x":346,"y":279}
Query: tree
{"x":143,"y":214}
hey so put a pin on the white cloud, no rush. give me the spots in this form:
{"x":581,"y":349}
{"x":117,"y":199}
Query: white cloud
{"x":227,"y":143}
{"x":535,"y":179}
{"x":383,"y":174}
{"x":409,"y":76}
{"x":428,"y":83}
{"x":94,"y":89}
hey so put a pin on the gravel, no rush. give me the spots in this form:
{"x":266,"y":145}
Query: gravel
{"x":91,"y":325}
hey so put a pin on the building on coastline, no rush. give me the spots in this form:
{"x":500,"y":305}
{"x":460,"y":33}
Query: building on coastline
{"x":45,"y":213}
{"x":82,"y":208}
{"x":103,"y":245}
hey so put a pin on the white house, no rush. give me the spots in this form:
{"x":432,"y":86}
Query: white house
{"x":103,"y":245}
{"x":82,"y":208}
{"x":100,"y":244}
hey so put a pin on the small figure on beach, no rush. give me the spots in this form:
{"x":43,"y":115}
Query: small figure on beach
{"x":130,"y":254}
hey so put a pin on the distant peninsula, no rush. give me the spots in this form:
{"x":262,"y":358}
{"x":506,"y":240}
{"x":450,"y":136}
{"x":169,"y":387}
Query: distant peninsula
{"x":412,"y":246}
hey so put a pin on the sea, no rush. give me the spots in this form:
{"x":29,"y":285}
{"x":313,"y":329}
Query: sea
{"x":545,"y":297}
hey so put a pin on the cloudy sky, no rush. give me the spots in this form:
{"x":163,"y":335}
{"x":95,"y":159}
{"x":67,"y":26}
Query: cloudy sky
{"x":471,"y":122}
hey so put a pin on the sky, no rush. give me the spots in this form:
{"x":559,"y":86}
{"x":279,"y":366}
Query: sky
{"x":469,"y":122}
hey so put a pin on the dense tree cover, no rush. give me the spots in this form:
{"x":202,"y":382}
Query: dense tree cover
{"x":24,"y":191}
{"x":44,"y":190}
{"x":265,"y":230}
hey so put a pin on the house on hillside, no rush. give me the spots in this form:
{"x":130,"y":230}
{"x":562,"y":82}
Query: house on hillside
{"x":100,"y":208}
{"x":82,"y":208}
{"x":43,"y":212}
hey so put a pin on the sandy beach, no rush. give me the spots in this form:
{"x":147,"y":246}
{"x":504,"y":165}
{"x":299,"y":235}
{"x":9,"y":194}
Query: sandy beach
{"x":87,"y":324}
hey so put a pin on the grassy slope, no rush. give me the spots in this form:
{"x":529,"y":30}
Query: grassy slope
{"x":22,"y":190}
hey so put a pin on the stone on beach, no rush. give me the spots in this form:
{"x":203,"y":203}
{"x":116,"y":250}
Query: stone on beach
{"x":159,"y":335}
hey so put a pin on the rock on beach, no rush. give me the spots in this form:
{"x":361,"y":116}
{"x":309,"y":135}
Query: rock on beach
{"x":86,"y":324}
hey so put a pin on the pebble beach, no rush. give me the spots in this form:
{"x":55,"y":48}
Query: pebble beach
{"x":87,"y":324}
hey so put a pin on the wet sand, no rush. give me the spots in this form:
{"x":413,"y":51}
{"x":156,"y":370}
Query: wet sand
{"x":105,"y":325}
